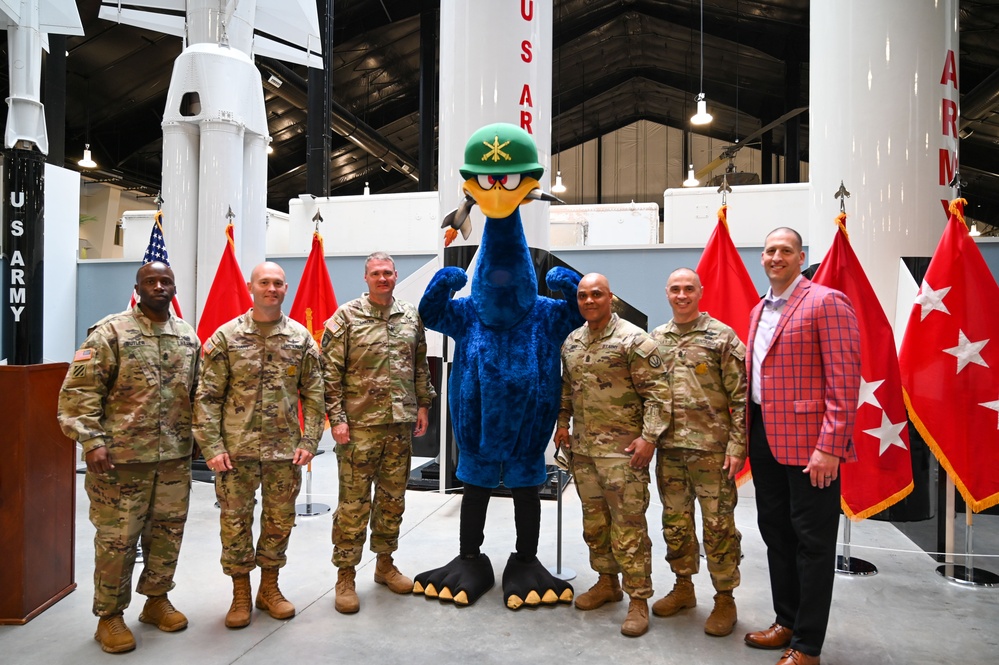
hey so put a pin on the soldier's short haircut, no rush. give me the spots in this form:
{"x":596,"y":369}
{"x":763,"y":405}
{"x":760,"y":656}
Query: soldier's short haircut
{"x":378,"y":256}
{"x":142,"y":267}
{"x":792,"y":232}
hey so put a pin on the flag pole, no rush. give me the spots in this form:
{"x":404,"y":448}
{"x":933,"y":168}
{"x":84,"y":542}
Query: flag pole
{"x":309,"y":509}
{"x":558,"y":571}
{"x":966,"y":575}
{"x":848,"y":565}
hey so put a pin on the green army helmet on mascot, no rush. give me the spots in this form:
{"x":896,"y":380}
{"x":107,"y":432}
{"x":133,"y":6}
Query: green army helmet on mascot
{"x":501,"y":149}
{"x":501,"y":172}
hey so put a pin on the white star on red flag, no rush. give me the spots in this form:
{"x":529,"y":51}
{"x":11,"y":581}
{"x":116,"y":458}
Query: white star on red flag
{"x":931,"y":300}
{"x":946,"y":397}
{"x":967,"y":351}
{"x":867,"y":390}
{"x":889,"y":434}
{"x":994,"y":405}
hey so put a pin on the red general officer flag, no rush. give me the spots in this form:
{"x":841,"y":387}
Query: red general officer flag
{"x":882,"y":474}
{"x":314,"y":301}
{"x":729,"y":293}
{"x":228,"y":297}
{"x":950,"y":363}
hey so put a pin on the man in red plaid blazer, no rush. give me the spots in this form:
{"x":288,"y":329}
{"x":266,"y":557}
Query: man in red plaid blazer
{"x":803,"y":363}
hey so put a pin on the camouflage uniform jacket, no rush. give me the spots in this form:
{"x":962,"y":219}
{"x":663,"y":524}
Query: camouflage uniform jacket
{"x":248,"y":395}
{"x":376,"y":368}
{"x":130,"y":389}
{"x":707,"y":375}
{"x":613,"y":388}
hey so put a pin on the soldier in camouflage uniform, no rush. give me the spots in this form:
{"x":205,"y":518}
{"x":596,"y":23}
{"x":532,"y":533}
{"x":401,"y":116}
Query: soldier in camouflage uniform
{"x":255,"y":370}
{"x":377,"y":387}
{"x":703,"y":449}
{"x":127,"y":399}
{"x":615,"y":392}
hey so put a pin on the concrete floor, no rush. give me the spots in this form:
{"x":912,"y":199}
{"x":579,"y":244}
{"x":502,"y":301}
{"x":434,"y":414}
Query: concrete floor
{"x":905,"y":614}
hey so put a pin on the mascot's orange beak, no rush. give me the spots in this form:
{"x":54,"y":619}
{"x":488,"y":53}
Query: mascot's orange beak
{"x":498,"y":196}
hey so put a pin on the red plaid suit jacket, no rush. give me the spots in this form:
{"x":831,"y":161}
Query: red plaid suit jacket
{"x":810,"y":376}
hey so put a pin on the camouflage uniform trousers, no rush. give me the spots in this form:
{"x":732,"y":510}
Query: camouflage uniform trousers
{"x":146,"y":501}
{"x":236,"y":490}
{"x":682,"y":474}
{"x":378,"y":454}
{"x":614,"y":498}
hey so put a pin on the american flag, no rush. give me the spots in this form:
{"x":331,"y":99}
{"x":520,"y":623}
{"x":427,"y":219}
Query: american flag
{"x":156,"y":251}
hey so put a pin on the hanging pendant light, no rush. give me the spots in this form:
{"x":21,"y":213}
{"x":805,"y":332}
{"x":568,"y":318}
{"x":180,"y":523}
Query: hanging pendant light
{"x":558,"y":187}
{"x":702,"y":117}
{"x":691,"y":181}
{"x":88,"y":161}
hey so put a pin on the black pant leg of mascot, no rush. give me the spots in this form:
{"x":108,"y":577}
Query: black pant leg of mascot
{"x":474,"y":503}
{"x":527,"y":518}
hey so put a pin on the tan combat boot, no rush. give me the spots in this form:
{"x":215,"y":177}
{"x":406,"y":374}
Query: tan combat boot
{"x":606,"y":590}
{"x":239,"y":612}
{"x":637,"y":621}
{"x":723,"y":617}
{"x":680,"y":598}
{"x":346,"y":597}
{"x":386,"y":573}
{"x":114,"y":635}
{"x":269,"y":596}
{"x":160,"y":612}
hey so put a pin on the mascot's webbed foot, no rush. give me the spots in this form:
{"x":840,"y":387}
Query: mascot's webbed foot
{"x":530,"y":583}
{"x":462,"y":581}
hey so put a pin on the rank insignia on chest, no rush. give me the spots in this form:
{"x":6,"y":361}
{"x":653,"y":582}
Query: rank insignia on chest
{"x":291,"y":371}
{"x":701,"y":368}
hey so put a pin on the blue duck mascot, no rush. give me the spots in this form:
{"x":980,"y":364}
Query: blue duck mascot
{"x":505,"y":380}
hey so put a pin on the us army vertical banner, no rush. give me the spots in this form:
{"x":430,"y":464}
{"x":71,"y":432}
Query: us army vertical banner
{"x":23,"y":235}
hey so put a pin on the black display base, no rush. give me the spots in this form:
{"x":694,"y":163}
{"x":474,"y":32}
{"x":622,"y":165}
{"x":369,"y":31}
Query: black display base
{"x":426,"y":477}
{"x":968,"y":576}
{"x":856,"y":566}
{"x":310,"y":509}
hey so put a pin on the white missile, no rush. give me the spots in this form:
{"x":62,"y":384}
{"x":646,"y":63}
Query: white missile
{"x":215,"y":125}
{"x":28,"y":22}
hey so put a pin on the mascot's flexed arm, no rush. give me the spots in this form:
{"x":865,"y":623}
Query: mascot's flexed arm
{"x":505,"y":379}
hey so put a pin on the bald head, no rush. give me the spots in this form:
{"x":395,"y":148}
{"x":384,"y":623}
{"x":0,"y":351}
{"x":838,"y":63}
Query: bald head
{"x":266,"y":266}
{"x":686,"y":273}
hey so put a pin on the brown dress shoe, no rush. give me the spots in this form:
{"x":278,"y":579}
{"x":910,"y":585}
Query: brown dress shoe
{"x":795,"y":657}
{"x":774,"y":637}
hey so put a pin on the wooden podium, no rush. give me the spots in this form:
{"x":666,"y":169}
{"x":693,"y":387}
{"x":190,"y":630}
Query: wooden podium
{"x":37,"y":493}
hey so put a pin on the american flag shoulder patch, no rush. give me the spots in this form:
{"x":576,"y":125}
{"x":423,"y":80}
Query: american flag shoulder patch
{"x":83,"y":354}
{"x":209,"y":346}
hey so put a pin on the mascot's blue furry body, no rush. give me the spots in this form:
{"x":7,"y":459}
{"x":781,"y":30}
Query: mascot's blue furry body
{"x":504,"y":388}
